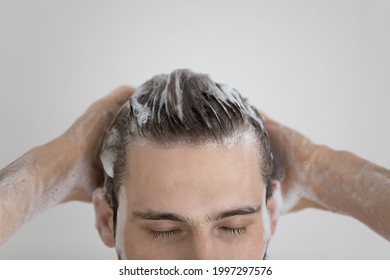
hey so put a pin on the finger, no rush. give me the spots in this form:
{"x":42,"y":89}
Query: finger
{"x":98,"y":116}
{"x":262,"y":114}
{"x":104,"y":109}
{"x":118,"y":96}
{"x":268,"y":122}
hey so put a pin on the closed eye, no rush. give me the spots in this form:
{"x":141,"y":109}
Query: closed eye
{"x":234,"y":231}
{"x":162,"y":234}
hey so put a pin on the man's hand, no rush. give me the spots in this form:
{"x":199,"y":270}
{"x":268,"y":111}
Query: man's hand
{"x":67,"y":168}
{"x":316,"y":176}
{"x":293,"y":154}
{"x":85,"y":138}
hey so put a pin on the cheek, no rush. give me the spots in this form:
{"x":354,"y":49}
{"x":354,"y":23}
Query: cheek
{"x":130,"y":244}
{"x":253,"y":247}
{"x":133,"y":246}
{"x":135,"y":243}
{"x":138,"y":245}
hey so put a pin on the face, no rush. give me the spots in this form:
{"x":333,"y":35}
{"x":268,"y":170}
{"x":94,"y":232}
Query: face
{"x":186,"y":202}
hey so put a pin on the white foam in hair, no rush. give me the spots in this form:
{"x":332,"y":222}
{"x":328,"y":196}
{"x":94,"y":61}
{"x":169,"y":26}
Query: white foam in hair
{"x":160,"y":91}
{"x":230,"y":94}
{"x":108,"y":155}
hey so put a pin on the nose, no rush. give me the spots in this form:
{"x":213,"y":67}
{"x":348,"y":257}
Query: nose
{"x":203,"y":247}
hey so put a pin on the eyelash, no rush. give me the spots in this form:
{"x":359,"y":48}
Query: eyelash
{"x":235,"y":231}
{"x":169,"y":233}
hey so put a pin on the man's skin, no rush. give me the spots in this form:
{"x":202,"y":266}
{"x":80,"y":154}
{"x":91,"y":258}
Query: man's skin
{"x":65,"y":169}
{"x":190,"y":202}
{"x":318,"y":177}
{"x":68,"y":168}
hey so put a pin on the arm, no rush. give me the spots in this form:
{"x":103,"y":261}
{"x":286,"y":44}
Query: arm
{"x":317,"y":176}
{"x":65,"y":169}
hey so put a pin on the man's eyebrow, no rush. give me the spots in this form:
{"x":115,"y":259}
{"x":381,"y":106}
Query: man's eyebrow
{"x":246,"y":210}
{"x":156,"y":215}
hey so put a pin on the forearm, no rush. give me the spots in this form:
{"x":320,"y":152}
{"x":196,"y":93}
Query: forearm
{"x":31,"y":184}
{"x":345,"y":183}
{"x":67,"y":168}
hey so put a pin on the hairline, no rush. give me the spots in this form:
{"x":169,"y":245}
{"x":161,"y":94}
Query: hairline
{"x":237,"y":138}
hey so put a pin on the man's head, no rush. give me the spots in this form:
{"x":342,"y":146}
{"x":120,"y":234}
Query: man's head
{"x":188,"y":170}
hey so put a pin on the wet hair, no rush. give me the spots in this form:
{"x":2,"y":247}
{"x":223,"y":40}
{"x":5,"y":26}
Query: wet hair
{"x":181,"y":108}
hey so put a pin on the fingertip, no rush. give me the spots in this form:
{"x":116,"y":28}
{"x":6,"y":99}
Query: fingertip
{"x":122,"y":93}
{"x":124,"y":90}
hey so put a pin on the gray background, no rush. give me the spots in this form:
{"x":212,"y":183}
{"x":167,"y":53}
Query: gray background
{"x":321,"y":67}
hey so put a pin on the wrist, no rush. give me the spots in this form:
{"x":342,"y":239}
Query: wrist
{"x":324,"y":176}
{"x":53,"y":164}
{"x":315,"y":172}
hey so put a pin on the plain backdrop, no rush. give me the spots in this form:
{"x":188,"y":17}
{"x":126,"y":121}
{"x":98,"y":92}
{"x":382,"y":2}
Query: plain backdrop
{"x":321,"y":67}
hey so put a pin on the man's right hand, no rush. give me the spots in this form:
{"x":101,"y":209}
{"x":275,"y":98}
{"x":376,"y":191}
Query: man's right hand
{"x":67,"y":168}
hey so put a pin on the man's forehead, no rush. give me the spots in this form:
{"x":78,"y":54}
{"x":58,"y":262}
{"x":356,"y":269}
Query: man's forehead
{"x":183,"y":178}
{"x":169,"y":164}
{"x":246,"y":149}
